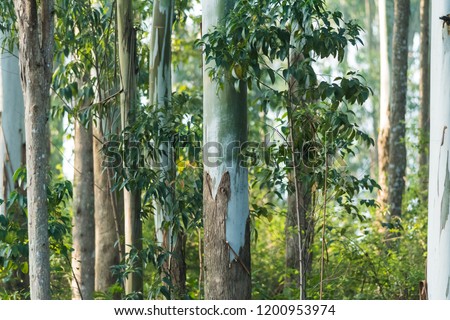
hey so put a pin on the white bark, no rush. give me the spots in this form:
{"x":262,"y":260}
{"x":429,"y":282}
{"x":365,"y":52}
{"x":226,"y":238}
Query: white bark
{"x":439,"y":186}
{"x":12,"y":132}
{"x":225,"y":188}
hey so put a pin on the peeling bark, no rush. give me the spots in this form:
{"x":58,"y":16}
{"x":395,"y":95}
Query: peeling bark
{"x":224,"y":278}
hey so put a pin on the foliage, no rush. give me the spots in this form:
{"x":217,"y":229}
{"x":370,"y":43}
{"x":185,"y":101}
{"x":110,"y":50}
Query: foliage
{"x":14,"y":238}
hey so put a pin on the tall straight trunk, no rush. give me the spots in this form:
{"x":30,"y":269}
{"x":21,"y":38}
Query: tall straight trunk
{"x":107,"y":220}
{"x":438,"y":270}
{"x":83,"y":231}
{"x":397,"y":147}
{"x":132,"y":199}
{"x":424,"y":93}
{"x":36,"y":61}
{"x":384,"y":129}
{"x":12,"y":130}
{"x":160,"y":96}
{"x":225,"y":188}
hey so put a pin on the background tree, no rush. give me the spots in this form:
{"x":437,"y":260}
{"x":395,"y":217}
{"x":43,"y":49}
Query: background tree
{"x":12,"y":131}
{"x":397,"y":146}
{"x":170,"y":237}
{"x":385,"y":98}
{"x":424,"y":92}
{"x":128,"y":107}
{"x":83,"y":231}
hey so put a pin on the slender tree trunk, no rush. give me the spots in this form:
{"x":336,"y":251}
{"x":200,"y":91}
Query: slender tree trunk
{"x":132,"y":199}
{"x":35,"y":24}
{"x":83,"y":231}
{"x":225,"y":187}
{"x":107,"y":220}
{"x":424,"y":93}
{"x":438,"y":270}
{"x":397,"y":147}
{"x":383,"y":134}
{"x":160,"y":95}
{"x":299,"y":215}
{"x":12,"y":130}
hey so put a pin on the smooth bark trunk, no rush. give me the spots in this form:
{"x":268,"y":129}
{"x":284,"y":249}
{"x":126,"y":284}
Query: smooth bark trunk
{"x":132,"y":199}
{"x":160,"y":91}
{"x":12,"y":126}
{"x":107,"y":220}
{"x":438,"y":270}
{"x":83,"y":230}
{"x":225,"y":186}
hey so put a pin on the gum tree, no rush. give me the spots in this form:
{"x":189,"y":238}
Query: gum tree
{"x":225,"y":186}
{"x":438,"y":270}
{"x":35,"y":30}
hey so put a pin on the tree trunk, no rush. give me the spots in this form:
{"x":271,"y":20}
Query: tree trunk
{"x":107,"y":220}
{"x":132,"y":199}
{"x":12,"y":130}
{"x":384,"y":129}
{"x":83,"y":231}
{"x":225,"y":186}
{"x":160,"y":96}
{"x":36,"y":61}
{"x":397,"y":147}
{"x":424,"y":93}
{"x":438,"y":270}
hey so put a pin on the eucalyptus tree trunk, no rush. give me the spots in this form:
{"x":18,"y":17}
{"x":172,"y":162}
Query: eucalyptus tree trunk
{"x":424,"y":92}
{"x":12,"y":130}
{"x":225,"y":187}
{"x":83,"y":230}
{"x":438,"y":271}
{"x":384,"y":124}
{"x":108,"y":247}
{"x":35,"y":26}
{"x":128,"y":97}
{"x":397,"y":147}
{"x":160,"y":96}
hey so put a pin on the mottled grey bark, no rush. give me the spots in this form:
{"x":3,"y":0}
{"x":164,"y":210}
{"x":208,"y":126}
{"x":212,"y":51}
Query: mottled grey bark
{"x":83,"y":230}
{"x":35,"y":26}
{"x":397,"y":147}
